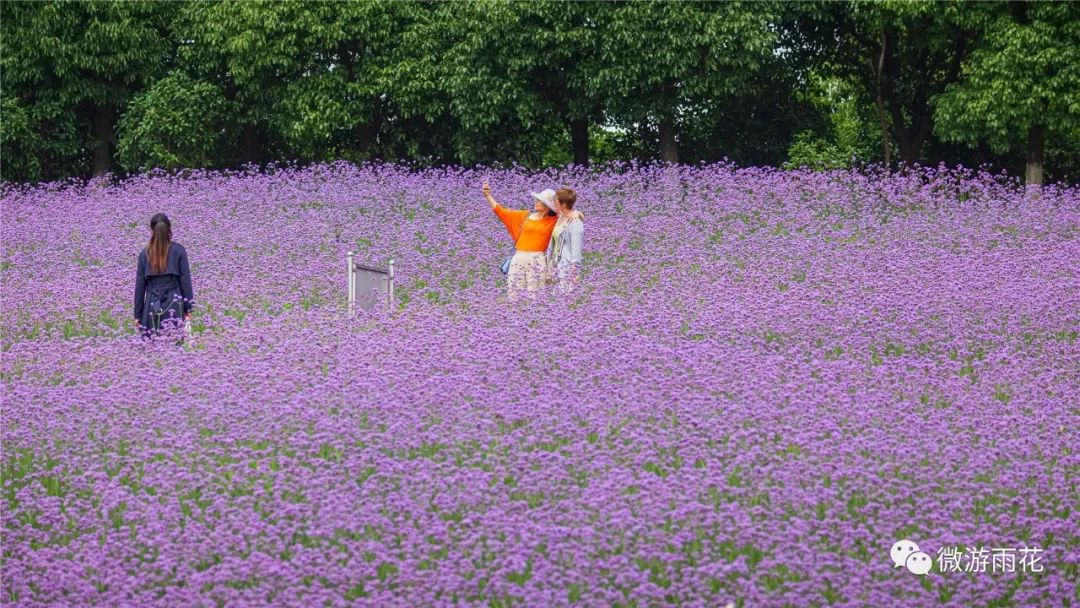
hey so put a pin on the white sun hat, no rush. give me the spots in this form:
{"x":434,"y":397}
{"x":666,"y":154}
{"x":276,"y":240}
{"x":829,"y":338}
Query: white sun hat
{"x":547,"y":197}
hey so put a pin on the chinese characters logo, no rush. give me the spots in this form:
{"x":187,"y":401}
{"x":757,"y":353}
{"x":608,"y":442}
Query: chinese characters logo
{"x":971,"y":559}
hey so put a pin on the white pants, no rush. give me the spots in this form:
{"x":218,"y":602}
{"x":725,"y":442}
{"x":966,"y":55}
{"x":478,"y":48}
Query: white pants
{"x":527,"y":271}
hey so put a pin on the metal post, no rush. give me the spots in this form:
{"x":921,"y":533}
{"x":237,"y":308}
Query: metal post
{"x":349,"y":286}
{"x":390,"y":285}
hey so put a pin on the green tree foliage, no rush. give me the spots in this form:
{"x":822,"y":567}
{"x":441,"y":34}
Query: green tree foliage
{"x":251,"y":51}
{"x":492,"y":116}
{"x":1021,"y":84}
{"x":557,"y":46}
{"x":70,"y":68}
{"x":39,"y":140}
{"x":663,"y":61}
{"x":312,"y":81}
{"x":901,"y":55}
{"x":178,"y":122}
{"x":754,"y":126}
{"x":508,"y":77}
{"x":336,"y":106}
{"x":846,"y":138}
{"x":209,"y":83}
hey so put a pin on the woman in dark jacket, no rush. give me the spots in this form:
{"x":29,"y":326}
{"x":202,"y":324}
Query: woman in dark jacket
{"x":163,"y":279}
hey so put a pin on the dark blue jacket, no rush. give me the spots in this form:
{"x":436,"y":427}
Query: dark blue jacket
{"x":159,"y":296}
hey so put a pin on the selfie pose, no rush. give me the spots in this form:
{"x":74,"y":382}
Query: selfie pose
{"x":531,"y":232}
{"x":163,"y":291}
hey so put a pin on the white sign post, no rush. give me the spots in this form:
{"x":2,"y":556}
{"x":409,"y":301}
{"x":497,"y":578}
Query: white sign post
{"x":368,"y":286}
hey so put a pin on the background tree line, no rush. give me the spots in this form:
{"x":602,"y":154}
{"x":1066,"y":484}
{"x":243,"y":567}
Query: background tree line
{"x":92,"y":87}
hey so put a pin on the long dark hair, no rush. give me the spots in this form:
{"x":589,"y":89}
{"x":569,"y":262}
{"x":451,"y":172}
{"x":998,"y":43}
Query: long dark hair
{"x":158,"y":250}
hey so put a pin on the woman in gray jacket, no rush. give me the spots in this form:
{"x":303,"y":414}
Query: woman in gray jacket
{"x":564,"y":250}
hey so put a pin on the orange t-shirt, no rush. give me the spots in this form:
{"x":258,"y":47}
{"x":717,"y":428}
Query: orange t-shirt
{"x":535,"y":234}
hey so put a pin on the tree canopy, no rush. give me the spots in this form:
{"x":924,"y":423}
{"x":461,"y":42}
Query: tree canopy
{"x":1021,"y":83}
{"x":217,"y":84}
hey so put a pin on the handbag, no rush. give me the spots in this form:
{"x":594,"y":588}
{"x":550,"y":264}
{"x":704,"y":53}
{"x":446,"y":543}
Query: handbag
{"x":505,"y":268}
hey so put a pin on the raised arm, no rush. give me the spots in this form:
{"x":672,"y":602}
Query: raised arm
{"x":185,"y":284}
{"x":486,"y":189}
{"x":511,"y":218}
{"x":140,"y":286}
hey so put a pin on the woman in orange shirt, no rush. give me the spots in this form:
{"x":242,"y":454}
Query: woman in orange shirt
{"x":531,"y":233}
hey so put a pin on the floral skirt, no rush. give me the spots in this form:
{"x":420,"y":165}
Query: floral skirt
{"x":527,"y":272}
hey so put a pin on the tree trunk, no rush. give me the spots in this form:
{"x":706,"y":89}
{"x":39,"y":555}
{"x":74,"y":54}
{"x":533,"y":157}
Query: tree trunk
{"x":911,"y":139}
{"x":669,"y":148}
{"x":909,"y":150}
{"x":579,"y":140}
{"x":368,"y":133}
{"x":1035,"y":156}
{"x":879,"y":70}
{"x":365,"y":137}
{"x":103,"y":118}
{"x":250,"y":144}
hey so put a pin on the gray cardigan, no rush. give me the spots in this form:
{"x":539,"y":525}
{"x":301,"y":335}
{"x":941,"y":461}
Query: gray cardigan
{"x":567,"y":247}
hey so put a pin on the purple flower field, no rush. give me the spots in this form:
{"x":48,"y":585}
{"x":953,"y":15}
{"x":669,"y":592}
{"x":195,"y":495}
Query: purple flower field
{"x":765,"y":380}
